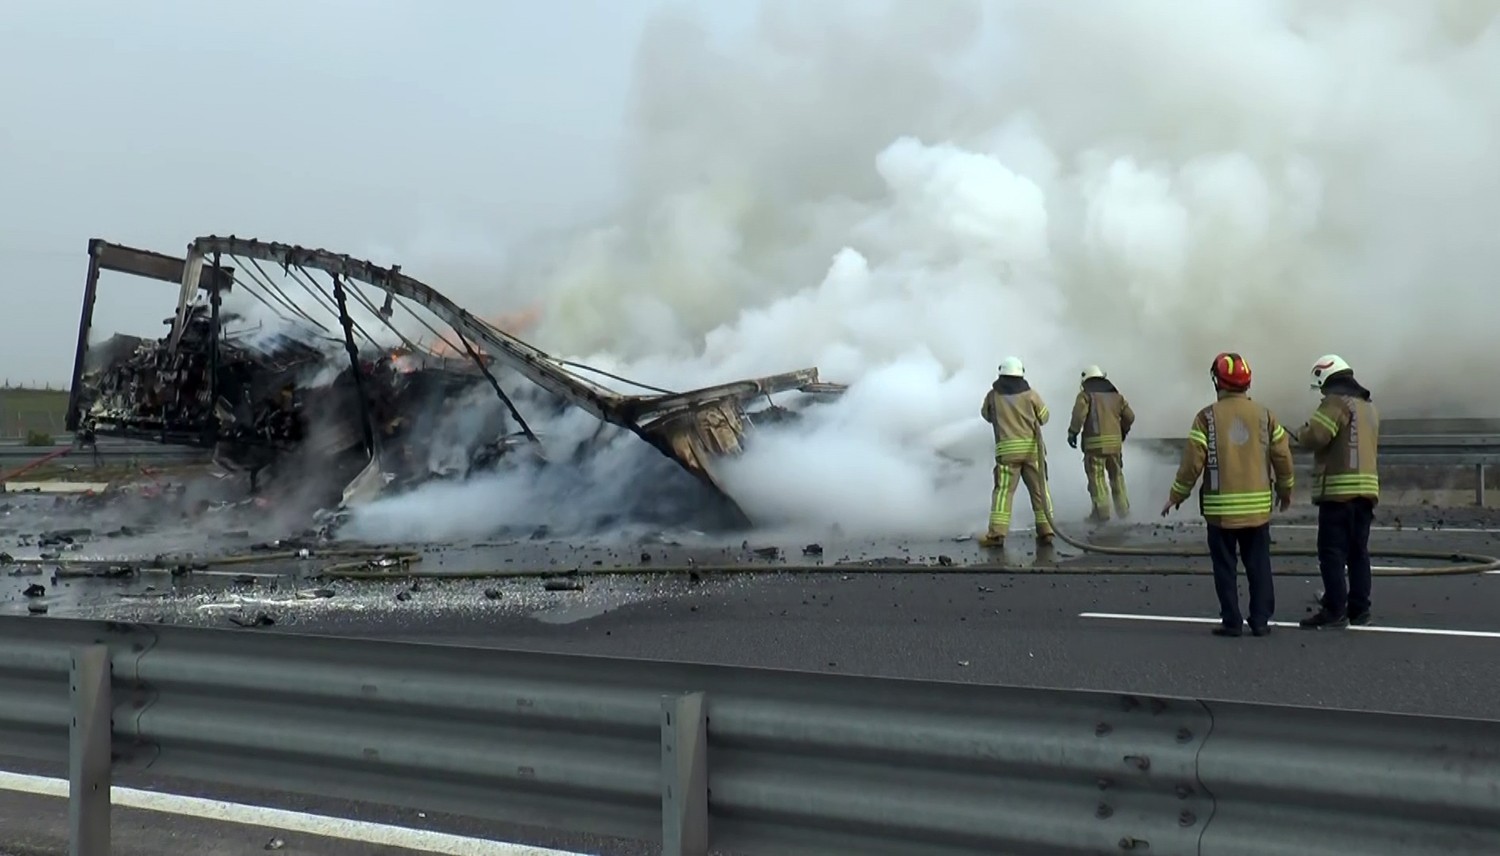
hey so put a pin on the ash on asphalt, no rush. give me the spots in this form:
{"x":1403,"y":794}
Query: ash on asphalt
{"x":557,"y":583}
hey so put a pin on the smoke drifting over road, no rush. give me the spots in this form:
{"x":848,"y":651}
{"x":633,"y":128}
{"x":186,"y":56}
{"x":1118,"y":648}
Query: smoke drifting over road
{"x":903,"y":193}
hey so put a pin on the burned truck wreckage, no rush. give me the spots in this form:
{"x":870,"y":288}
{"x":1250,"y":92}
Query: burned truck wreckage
{"x":321,"y":394}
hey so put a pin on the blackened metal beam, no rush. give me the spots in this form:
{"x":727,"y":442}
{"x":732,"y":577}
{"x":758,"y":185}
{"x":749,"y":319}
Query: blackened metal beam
{"x":359,"y":381}
{"x":118,"y":258}
{"x":81,"y":350}
{"x":145,"y":263}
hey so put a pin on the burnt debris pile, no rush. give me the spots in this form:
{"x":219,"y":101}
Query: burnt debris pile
{"x":317,"y":390}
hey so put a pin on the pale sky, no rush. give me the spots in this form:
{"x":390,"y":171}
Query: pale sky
{"x":374,"y":127}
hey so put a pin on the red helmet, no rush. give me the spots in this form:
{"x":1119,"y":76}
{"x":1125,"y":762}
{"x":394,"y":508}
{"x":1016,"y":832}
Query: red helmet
{"x":1230,"y":371}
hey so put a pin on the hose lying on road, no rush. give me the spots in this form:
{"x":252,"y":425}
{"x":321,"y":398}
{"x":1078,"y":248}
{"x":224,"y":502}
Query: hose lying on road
{"x":373,"y":563}
{"x":1454,"y":562}
{"x":26,"y":468}
{"x":398,"y":561}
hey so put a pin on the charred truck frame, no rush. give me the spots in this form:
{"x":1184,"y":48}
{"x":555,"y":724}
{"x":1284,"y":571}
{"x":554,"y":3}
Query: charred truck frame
{"x":238,"y":393}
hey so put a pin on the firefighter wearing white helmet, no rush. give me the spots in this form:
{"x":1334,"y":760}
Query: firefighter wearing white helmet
{"x":1326,"y":367}
{"x":1344,"y":436}
{"x":1016,"y":413}
{"x":1103,"y":417}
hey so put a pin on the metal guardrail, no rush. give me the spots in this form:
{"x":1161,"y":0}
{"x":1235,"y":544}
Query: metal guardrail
{"x":747,"y":760}
{"x":1479,"y":451}
{"x":1410,"y":442}
{"x":1438,"y":426}
{"x":1428,"y":451}
{"x":1413,"y":442}
{"x":16,"y":452}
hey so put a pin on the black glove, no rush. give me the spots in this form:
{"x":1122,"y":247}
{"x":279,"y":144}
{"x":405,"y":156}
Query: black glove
{"x":1073,"y":441}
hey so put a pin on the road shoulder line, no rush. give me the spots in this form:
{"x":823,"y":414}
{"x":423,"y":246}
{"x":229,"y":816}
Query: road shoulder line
{"x":1369,"y":628}
{"x":362,"y":832}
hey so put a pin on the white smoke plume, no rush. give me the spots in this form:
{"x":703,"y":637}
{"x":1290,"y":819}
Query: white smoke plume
{"x":903,"y":193}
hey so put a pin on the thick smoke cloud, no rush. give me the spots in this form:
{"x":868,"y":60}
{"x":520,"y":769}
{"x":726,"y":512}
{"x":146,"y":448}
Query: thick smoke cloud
{"x":903,"y":193}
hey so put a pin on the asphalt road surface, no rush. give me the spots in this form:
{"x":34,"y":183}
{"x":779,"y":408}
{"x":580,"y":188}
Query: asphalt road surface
{"x":1033,"y":628}
{"x":1027,"y":629}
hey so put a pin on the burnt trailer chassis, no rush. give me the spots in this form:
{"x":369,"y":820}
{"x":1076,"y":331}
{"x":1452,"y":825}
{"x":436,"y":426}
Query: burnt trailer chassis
{"x":240,"y":396}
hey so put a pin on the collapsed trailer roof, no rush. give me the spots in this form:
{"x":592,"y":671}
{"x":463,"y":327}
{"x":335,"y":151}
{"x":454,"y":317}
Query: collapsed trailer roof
{"x":693,"y":428}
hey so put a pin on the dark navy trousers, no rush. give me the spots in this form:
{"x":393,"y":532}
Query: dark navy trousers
{"x":1227,"y":548}
{"x":1344,"y":543}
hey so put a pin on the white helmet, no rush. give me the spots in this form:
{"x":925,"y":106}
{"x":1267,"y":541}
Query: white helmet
{"x":1328,"y":364}
{"x":1011,"y":367}
{"x":1093,"y":372}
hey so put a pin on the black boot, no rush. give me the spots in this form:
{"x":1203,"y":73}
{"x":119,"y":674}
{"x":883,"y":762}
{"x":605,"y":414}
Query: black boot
{"x":1325,"y":620}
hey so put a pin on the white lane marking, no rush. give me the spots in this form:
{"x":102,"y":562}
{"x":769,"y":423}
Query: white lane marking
{"x":379,"y":834}
{"x":1368,"y":628}
{"x":240,"y":601}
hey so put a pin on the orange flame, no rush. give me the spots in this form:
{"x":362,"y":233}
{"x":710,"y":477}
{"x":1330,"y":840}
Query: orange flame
{"x":514,"y":323}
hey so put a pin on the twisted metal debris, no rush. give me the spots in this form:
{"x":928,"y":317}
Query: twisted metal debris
{"x":240,"y":394}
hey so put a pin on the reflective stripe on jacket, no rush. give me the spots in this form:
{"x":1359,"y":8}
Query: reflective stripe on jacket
{"x":1344,"y":436}
{"x":1101,"y":417}
{"x":1244,"y":457}
{"x":1016,"y":413}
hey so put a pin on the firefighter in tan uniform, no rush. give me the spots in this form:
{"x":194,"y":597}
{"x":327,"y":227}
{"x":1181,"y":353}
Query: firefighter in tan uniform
{"x":1017,"y":413}
{"x":1244,"y":456}
{"x":1343,"y":435}
{"x":1103,"y":417}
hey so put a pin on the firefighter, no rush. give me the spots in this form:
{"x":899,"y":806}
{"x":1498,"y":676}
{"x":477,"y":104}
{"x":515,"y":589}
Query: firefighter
{"x":1103,"y":416}
{"x":1343,"y":435}
{"x":1237,"y":446}
{"x":1017,"y":413}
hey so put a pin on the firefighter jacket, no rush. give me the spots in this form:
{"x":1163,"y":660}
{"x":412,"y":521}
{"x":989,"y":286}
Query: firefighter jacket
{"x":1242,"y":453}
{"x":1343,"y":435}
{"x":1016,"y":412}
{"x":1102,"y":415}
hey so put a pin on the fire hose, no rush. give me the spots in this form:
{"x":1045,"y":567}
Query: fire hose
{"x":26,"y":468}
{"x":376,"y":563}
{"x":1457,"y":562}
{"x":356,"y":558}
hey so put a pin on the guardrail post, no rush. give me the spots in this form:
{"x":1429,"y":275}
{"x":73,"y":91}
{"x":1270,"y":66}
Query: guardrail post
{"x":1479,"y":485}
{"x":89,"y":745}
{"x":684,"y":776}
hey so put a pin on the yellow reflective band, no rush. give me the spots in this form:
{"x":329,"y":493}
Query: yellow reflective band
{"x":1198,"y":437}
{"x":1350,"y":482}
{"x":1217,"y":501}
{"x":1256,"y":511}
{"x":1326,"y":421}
{"x":1042,"y":413}
{"x":1228,"y":504}
{"x":1008,"y":447}
{"x":1000,"y":510}
{"x":1278,"y":434}
{"x":1102,"y":441}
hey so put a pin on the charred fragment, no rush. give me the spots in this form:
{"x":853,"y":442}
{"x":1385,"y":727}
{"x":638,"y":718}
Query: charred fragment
{"x":326,"y":405}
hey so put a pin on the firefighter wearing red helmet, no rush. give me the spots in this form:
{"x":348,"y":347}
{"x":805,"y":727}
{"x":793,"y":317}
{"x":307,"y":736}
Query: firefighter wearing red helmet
{"x":1245,"y":460}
